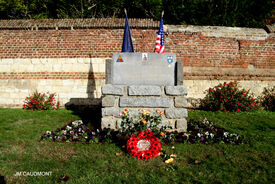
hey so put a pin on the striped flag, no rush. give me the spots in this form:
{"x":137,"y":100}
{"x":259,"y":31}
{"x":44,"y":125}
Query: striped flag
{"x":160,"y":38}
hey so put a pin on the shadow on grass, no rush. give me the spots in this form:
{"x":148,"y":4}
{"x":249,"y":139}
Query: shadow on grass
{"x":2,"y":180}
{"x":90,"y":115}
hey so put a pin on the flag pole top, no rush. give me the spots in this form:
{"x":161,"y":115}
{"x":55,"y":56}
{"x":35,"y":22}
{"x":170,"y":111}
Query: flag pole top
{"x":125,"y":11}
{"x":162,"y":13}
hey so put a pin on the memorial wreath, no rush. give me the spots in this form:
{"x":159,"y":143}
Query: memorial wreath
{"x":143,"y":145}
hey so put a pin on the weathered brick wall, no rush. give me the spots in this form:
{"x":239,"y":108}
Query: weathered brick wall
{"x":66,"y":58}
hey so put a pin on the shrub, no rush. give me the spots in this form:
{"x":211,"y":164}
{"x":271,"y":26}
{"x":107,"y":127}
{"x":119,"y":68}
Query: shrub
{"x":39,"y":101}
{"x":268,"y":99}
{"x":144,"y":121}
{"x":228,"y":97}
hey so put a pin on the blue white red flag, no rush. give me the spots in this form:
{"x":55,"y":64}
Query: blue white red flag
{"x":160,"y":38}
{"x":127,"y":45}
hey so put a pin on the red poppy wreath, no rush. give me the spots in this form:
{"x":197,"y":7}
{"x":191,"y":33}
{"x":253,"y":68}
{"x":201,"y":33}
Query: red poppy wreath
{"x":144,"y":145}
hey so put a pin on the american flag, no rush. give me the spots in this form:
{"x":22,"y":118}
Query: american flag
{"x":160,"y":39}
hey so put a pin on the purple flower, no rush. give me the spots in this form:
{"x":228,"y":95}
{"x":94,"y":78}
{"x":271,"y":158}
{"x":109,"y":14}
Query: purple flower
{"x":71,"y":132}
{"x":62,"y":137}
{"x":202,"y":138}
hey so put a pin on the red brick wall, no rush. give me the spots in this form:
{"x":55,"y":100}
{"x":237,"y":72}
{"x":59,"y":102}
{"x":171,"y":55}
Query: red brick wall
{"x":193,"y":48}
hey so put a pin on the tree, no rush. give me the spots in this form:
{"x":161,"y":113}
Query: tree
{"x":242,"y":13}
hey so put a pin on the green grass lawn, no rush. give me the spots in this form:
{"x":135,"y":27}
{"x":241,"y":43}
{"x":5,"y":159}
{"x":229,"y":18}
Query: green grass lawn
{"x":20,"y":150}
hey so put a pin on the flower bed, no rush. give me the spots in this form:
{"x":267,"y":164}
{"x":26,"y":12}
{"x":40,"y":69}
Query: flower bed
{"x":198,"y":132}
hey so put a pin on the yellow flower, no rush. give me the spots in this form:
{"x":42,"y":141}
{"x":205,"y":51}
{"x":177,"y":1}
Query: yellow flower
{"x":169,"y":160}
{"x":148,"y":112}
{"x":158,"y":111}
{"x":143,"y":121}
{"x":125,"y":112}
{"x":162,"y":134}
{"x":143,"y":111}
{"x":173,"y":155}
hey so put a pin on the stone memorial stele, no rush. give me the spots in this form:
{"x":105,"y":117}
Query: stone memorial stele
{"x":143,"y":69}
{"x":144,"y":80}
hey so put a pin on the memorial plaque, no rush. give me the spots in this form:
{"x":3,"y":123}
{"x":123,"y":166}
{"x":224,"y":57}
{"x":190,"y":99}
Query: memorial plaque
{"x":143,"y":69}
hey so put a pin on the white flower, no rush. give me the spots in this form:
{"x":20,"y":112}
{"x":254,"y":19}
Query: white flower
{"x":212,"y":135}
{"x":79,"y":122}
{"x":68,"y":127}
{"x":75,"y":123}
{"x":206,"y":133}
{"x":199,"y":135}
{"x":64,"y":132}
{"x":48,"y":132}
{"x":205,"y":121}
{"x":225,"y":134}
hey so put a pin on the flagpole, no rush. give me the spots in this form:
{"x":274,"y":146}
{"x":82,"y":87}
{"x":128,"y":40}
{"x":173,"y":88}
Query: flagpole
{"x":127,"y":45}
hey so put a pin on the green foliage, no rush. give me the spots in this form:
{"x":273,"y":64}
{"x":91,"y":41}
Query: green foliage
{"x":245,"y":13}
{"x":39,"y":101}
{"x":268,"y":99}
{"x":228,"y":97}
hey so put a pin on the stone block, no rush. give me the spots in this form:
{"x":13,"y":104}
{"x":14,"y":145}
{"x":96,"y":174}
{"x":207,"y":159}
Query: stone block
{"x":181,"y":125}
{"x":144,"y":102}
{"x":109,"y":89}
{"x":144,"y":90}
{"x":176,"y":90}
{"x":179,"y":73}
{"x":118,"y":124}
{"x":108,"y":122}
{"x":169,"y":124}
{"x":133,"y":112}
{"x":108,"y":101}
{"x":175,"y":113}
{"x":181,"y":102}
{"x":110,"y":111}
